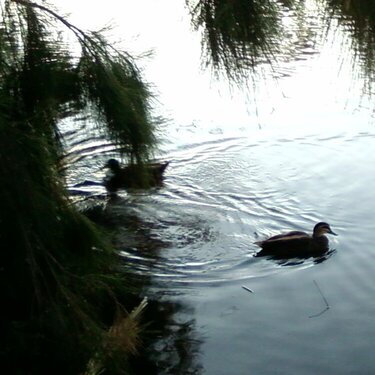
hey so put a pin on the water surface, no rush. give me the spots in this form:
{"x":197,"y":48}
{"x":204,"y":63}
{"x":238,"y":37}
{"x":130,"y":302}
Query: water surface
{"x":237,"y":176}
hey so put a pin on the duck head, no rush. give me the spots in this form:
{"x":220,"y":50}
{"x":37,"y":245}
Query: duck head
{"x":321,"y":229}
{"x":113,"y":165}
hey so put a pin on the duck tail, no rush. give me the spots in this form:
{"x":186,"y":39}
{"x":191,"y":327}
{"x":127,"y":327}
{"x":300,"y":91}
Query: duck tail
{"x":164,"y":166}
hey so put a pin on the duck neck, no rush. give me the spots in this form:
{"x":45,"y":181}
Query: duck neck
{"x":115,"y":168}
{"x":320,"y":241}
{"x":319,"y":237}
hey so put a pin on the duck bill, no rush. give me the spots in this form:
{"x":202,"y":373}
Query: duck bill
{"x":332,"y":232}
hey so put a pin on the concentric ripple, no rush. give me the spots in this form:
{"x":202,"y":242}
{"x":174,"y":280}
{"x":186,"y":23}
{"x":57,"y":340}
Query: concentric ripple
{"x":217,"y":201}
{"x":222,"y":194}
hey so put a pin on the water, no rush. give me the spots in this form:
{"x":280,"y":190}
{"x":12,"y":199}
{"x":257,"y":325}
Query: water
{"x":211,"y":224}
{"x":236,"y":177}
{"x":195,"y":242}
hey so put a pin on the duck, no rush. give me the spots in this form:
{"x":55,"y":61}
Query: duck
{"x":133,"y":175}
{"x":296,"y":243}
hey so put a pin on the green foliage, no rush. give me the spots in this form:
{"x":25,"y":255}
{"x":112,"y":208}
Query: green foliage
{"x":103,"y":80}
{"x":59,"y":284}
{"x":110,"y":83}
{"x":237,"y":35}
{"x":58,"y":280}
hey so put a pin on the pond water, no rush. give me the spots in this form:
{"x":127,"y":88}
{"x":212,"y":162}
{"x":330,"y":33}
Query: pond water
{"x":238,"y":175}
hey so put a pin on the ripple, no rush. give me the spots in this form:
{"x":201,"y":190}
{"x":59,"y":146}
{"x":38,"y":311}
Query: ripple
{"x":220,"y":196}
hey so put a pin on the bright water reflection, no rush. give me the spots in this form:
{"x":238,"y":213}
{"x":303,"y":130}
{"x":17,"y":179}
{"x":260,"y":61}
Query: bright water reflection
{"x":231,"y":183}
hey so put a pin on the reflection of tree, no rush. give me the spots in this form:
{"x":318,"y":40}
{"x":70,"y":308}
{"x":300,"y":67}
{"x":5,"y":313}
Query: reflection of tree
{"x":169,"y":341}
{"x":171,"y":345}
{"x":358,"y":18}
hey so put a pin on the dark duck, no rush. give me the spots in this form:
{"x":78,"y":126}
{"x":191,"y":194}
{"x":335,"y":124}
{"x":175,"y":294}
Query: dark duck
{"x":133,"y":176}
{"x":297,"y":244}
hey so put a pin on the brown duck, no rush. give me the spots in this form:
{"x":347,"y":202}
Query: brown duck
{"x":297,"y":244}
{"x":133,"y":176}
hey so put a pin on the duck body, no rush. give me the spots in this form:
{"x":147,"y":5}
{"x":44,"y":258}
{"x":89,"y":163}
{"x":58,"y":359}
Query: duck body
{"x":297,"y":244}
{"x":133,"y":176}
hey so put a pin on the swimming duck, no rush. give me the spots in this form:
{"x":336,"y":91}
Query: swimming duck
{"x":296,"y":244}
{"x":133,"y":176}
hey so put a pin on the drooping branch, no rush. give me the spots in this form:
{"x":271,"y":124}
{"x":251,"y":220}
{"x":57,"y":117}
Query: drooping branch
{"x":110,"y":84}
{"x":81,"y":35}
{"x":236,"y":35}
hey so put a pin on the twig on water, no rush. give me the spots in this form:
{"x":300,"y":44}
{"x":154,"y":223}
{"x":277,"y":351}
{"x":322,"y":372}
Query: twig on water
{"x":324,"y":299}
{"x":248,"y":289}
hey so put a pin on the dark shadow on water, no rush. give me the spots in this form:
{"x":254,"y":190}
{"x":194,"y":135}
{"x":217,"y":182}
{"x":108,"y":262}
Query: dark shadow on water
{"x":170,"y":341}
{"x":316,"y":258}
{"x":171,"y":344}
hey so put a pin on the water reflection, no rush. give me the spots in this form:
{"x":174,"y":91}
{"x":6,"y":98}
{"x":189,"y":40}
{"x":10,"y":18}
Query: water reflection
{"x":236,"y":35}
{"x":170,"y":342}
{"x":318,"y":257}
{"x":200,"y":229}
{"x":189,"y":245}
{"x":358,"y":19}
